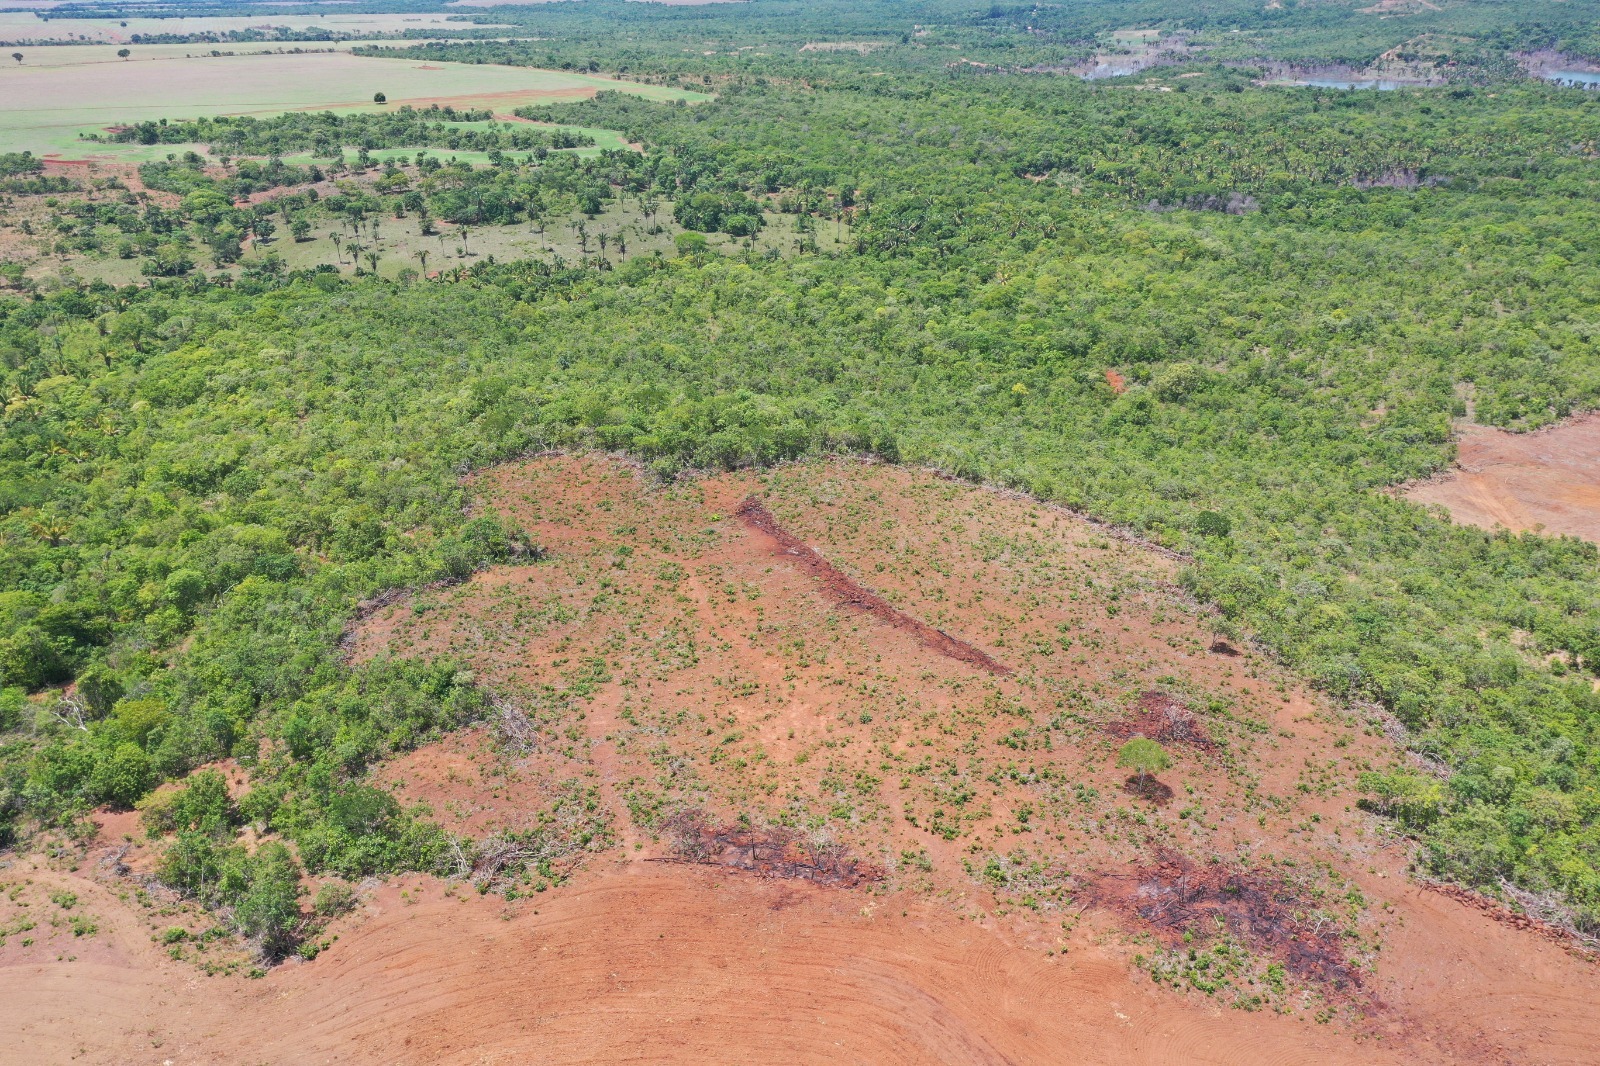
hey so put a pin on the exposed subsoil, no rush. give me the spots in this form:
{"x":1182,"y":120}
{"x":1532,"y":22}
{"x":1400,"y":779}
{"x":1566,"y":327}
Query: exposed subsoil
{"x":877,"y":853}
{"x":1547,"y":480}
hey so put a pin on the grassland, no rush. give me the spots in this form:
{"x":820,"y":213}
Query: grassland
{"x":400,"y":241}
{"x":49,"y":107}
{"x":22,"y":26}
{"x":80,"y":55}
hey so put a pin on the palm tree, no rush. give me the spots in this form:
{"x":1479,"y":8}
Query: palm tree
{"x":372,"y":260}
{"x":422,"y":257}
{"x":338,"y":245}
{"x":50,"y":529}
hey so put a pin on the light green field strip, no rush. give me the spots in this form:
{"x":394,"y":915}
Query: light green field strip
{"x":28,"y":26}
{"x":80,"y":55}
{"x":46,"y":108}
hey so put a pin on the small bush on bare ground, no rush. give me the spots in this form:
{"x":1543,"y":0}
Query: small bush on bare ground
{"x":1165,"y":718}
{"x":774,"y":851}
{"x":1214,"y":918}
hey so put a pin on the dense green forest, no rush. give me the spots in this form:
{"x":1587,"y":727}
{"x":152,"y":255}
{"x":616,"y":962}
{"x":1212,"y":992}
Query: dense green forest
{"x":203,"y":480}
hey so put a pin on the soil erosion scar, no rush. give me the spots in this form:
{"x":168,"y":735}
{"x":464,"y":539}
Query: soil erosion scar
{"x":848,"y":592}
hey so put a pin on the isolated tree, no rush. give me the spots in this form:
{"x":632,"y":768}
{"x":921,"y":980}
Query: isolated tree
{"x":124,"y":53}
{"x":422,"y":257}
{"x":300,"y":229}
{"x":372,"y":260}
{"x":379,"y":98}
{"x":338,"y":245}
{"x":17,"y":56}
{"x":1144,"y":757}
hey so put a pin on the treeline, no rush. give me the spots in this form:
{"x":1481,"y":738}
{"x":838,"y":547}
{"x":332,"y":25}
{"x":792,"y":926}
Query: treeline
{"x":327,"y":134}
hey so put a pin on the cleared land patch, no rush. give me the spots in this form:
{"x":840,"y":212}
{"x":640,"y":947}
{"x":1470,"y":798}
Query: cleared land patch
{"x":1547,"y":480}
{"x":875,"y":852}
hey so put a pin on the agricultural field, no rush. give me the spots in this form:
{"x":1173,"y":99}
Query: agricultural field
{"x":23,"y":27}
{"x":78,"y":55}
{"x":47,"y":107}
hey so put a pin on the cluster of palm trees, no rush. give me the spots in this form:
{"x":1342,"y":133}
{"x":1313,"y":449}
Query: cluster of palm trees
{"x":358,"y":251}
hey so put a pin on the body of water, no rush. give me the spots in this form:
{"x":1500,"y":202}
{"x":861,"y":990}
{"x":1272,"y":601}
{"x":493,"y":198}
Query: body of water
{"x":1578,"y":79}
{"x":1381,"y":84}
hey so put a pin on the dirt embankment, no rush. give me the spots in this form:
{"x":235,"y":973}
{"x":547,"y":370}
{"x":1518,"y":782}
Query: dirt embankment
{"x":893,"y":855}
{"x":1548,"y":480}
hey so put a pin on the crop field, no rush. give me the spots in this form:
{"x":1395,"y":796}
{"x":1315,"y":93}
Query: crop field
{"x":81,"y":55}
{"x":48,"y":107}
{"x":23,"y":26}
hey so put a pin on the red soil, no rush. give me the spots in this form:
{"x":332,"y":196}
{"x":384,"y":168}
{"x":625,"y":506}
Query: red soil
{"x":668,"y":660}
{"x":1547,"y":480}
{"x":847,"y":592}
{"x":1118,"y":383}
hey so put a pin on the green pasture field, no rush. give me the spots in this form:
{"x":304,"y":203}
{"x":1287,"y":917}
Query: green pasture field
{"x":79,"y":55}
{"x":36,"y":26}
{"x":47,"y":108}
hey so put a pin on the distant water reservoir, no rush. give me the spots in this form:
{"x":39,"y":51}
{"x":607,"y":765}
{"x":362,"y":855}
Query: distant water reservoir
{"x":1575,"y":79}
{"x":1381,"y":84}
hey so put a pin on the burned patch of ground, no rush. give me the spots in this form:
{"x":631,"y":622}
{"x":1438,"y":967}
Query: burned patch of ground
{"x":1182,"y":901}
{"x":775,"y":852}
{"x":1163,"y":717}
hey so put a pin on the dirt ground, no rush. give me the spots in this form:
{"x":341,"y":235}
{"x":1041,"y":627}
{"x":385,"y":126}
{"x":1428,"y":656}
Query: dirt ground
{"x":1548,"y":480}
{"x":669,"y":656}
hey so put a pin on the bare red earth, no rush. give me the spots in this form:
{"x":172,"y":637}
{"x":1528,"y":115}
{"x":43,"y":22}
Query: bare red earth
{"x":667,"y":659}
{"x":1547,"y":480}
{"x":847,"y":592}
